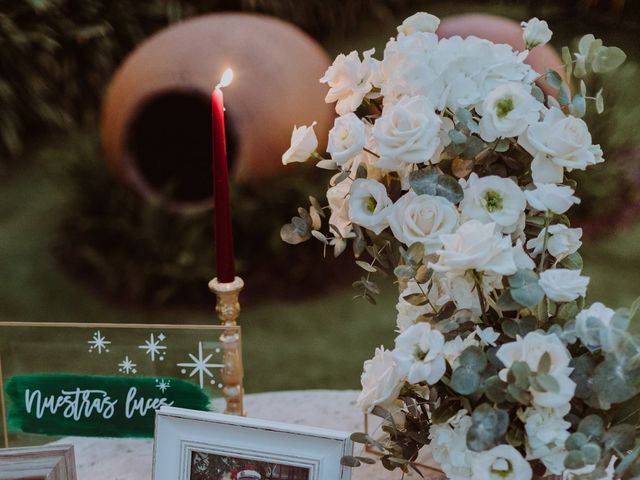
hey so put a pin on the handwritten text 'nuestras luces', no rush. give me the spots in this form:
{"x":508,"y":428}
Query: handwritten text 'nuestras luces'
{"x":77,"y":404}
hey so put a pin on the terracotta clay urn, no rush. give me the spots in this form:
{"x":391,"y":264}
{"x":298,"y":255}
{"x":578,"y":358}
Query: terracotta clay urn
{"x":502,"y":30}
{"x":156,"y":124}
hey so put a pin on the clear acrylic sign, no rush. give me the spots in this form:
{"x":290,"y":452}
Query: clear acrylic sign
{"x":107,"y":380}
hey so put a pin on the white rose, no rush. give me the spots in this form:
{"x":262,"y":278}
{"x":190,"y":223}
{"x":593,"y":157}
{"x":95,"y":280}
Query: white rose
{"x":349,"y":80}
{"x":562,"y":241}
{"x":535,"y":32}
{"x":449,"y":448}
{"x":563,"y":285}
{"x":406,"y":70}
{"x":381,"y":382}
{"x":476,"y":246}
{"x":346,"y":138}
{"x":421,"y":219}
{"x":303,"y":143}
{"x":419,"y":22}
{"x":369,"y":204}
{"x":593,"y":328}
{"x":547,"y":431}
{"x":530,"y":349}
{"x":418,"y":354}
{"x":337,"y":197}
{"x":408,"y":131}
{"x":551,"y":197}
{"x":493,"y":199}
{"x":501,"y":463}
{"x":507,"y":111}
{"x":556,"y":143}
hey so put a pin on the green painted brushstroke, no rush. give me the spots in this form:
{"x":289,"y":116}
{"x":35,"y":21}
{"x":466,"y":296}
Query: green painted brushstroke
{"x":92,"y":405}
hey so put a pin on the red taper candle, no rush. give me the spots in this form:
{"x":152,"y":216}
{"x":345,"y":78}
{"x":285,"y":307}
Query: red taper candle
{"x":225,"y":261}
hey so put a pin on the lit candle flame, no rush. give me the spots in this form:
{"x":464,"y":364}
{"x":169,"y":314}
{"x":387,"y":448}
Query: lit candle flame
{"x":226,"y":79}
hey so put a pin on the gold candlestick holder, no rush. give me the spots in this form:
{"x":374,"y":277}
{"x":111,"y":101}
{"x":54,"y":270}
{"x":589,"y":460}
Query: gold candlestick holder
{"x":228,"y":310}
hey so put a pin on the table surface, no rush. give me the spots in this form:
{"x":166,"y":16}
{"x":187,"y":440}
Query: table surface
{"x":130,"y":459}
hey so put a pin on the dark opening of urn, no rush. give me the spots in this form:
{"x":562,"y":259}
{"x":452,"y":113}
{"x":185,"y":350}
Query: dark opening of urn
{"x":168,"y":146}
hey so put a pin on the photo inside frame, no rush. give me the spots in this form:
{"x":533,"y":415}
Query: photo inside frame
{"x":210,"y":466}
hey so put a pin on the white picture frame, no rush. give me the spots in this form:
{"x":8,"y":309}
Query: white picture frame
{"x":182,"y":434}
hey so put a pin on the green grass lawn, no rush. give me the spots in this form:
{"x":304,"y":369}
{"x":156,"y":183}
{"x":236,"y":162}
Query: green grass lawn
{"x":319,"y":343}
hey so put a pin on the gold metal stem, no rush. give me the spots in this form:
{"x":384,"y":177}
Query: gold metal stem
{"x":228,"y":310}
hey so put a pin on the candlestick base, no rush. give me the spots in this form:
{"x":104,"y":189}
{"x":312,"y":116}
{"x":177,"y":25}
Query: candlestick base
{"x":228,"y":310}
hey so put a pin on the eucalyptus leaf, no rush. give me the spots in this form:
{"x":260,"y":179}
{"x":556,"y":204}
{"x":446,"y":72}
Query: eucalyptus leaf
{"x":567,"y":60}
{"x":578,"y":106}
{"x":473,"y":358}
{"x":620,"y":437}
{"x":572,"y":261}
{"x":592,"y":426}
{"x":612,"y":383}
{"x":525,"y":288}
{"x":553,"y":79}
{"x":607,"y":59}
{"x":564,"y":94}
{"x":431,"y":181}
{"x":465,"y":381}
{"x":599,"y":102}
{"x":457,"y":136}
{"x":537,"y":92}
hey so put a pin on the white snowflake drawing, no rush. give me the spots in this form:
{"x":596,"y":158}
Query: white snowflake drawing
{"x":163,"y":385}
{"x":152,"y":347}
{"x":200,"y":365}
{"x":127,"y":366}
{"x":99,"y":343}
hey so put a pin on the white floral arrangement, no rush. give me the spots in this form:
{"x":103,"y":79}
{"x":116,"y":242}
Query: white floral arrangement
{"x":451,"y":172}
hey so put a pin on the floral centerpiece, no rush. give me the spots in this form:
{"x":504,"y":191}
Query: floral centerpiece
{"x":451,"y":172}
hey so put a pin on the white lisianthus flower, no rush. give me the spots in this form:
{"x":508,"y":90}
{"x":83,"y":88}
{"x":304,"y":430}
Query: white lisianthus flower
{"x":547,"y":431}
{"x":530,"y":349}
{"x":349,"y":80}
{"x":381,"y":381}
{"x":501,"y":463}
{"x":422,"y":219}
{"x":493,"y":199}
{"x":369,"y":204}
{"x":408,"y":132}
{"x":507,"y":111}
{"x":475,"y":246}
{"x":535,"y":33}
{"x":419,"y":22}
{"x":520,"y":257}
{"x":303,"y":143}
{"x":448,"y":444}
{"x":337,"y":196}
{"x":556,"y":143}
{"x":346,"y":138}
{"x":593,"y":328}
{"x":563,"y":285}
{"x":418,"y":354}
{"x":562,"y":241}
{"x":551,"y":197}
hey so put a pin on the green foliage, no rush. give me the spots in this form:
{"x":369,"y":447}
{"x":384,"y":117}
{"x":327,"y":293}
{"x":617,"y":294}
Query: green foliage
{"x":488,"y":426}
{"x":525,"y":289}
{"x":431,"y":181}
